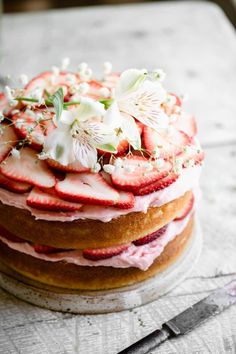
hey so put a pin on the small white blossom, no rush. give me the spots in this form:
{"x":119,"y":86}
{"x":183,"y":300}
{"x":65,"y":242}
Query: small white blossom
{"x":189,"y":163}
{"x":30,"y":113}
{"x":86,"y":74}
{"x":104,"y":92}
{"x":129,"y":169}
{"x":65,"y":63}
{"x":188,"y":150}
{"x":55,"y":70}
{"x":159,"y":163}
{"x":178,"y":165}
{"x":159,"y":74}
{"x":83,"y":88}
{"x":19,"y":123}
{"x":82,"y":66}
{"x":71,"y":79}
{"x":13,"y":103}
{"x":43,"y":156}
{"x":96,"y":168}
{"x":15,"y":153}
{"x":1,"y":116}
{"x":156,"y":152}
{"x":109,"y":168}
{"x":8,"y":92}
{"x":24,"y":79}
{"x":118,"y":163}
{"x":107,"y":67}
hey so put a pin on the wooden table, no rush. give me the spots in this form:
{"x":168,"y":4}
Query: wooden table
{"x":195,"y":44}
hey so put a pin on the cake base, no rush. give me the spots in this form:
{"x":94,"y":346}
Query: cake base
{"x":94,"y":302}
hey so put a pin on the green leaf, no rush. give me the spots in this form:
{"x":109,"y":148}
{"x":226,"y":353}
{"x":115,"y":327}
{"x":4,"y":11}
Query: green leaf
{"x":108,"y":148}
{"x":57,"y":100}
{"x":59,"y":151}
{"x":107,"y":103}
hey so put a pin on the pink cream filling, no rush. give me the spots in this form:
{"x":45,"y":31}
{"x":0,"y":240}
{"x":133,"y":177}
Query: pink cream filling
{"x":135,"y":256}
{"x":189,"y":179}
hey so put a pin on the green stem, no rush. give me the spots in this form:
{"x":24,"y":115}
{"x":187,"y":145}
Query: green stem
{"x":27,"y":99}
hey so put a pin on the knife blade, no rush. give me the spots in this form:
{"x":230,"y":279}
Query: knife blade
{"x":216,"y":302}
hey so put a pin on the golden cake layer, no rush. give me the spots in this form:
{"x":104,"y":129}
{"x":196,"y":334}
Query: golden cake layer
{"x":90,"y":233}
{"x":71,"y":276}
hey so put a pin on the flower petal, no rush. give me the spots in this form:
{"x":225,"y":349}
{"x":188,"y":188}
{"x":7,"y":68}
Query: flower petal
{"x":85,"y":153}
{"x":130,"y":131}
{"x":59,"y":146}
{"x":67,"y":117}
{"x":89,"y":108}
{"x":129,"y":81}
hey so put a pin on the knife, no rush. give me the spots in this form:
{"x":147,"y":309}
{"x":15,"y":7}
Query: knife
{"x":192,"y":317}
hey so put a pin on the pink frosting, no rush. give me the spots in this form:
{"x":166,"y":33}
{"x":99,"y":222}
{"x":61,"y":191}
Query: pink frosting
{"x":189,"y":179}
{"x":135,"y":256}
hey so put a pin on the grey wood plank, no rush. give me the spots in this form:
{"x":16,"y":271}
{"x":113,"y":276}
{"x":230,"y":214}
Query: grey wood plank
{"x":192,"y":41}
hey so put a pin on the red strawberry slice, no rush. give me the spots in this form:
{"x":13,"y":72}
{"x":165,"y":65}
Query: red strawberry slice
{"x":8,"y":235}
{"x":151,"y":237}
{"x":111,"y":80}
{"x":4,"y":105}
{"x":39,"y":199}
{"x":13,"y":186}
{"x":194,"y":154}
{"x":186,"y":124}
{"x":87,"y":188}
{"x":134,"y":173}
{"x":94,"y":88}
{"x":122,"y":149}
{"x":71,"y":167}
{"x":184,"y":212}
{"x":178,"y":100}
{"x":126,"y":200}
{"x":28,"y":168}
{"x":169,"y":144}
{"x":103,"y":253}
{"x":46,"y":249}
{"x":157,"y":185}
{"x":47,"y":81}
{"x":8,"y":139}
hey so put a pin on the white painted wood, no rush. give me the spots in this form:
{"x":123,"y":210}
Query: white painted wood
{"x":195,"y":43}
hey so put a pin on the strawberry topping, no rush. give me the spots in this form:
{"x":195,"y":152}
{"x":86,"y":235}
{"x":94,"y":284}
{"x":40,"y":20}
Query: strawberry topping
{"x":186,"y":124}
{"x":103,"y":253}
{"x":46,"y":249}
{"x":135,"y":173}
{"x":87,"y":188}
{"x":8,"y":139}
{"x":28,"y":168}
{"x":157,"y":185}
{"x":71,"y":167}
{"x":151,"y":237}
{"x":13,"y":186}
{"x":48,"y":201}
{"x":184,"y":212}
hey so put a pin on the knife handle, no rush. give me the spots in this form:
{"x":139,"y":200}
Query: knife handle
{"x":147,"y":343}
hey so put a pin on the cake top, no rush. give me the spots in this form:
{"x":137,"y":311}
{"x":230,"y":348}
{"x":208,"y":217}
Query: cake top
{"x":74,"y":140}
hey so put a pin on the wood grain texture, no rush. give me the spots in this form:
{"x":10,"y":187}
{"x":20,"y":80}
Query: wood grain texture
{"x":195,"y":44}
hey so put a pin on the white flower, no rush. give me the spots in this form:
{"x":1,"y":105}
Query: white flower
{"x":71,"y":79}
{"x":55,"y":70}
{"x":109,"y":168}
{"x":86,"y":74}
{"x":83,"y":88}
{"x":159,"y":74}
{"x":104,"y":92}
{"x":8,"y":93}
{"x":96,"y":168}
{"x":178,"y":165}
{"x":15,"y":153}
{"x":24,"y":79}
{"x":107,"y":67}
{"x":65,"y":63}
{"x":82,"y":66}
{"x":79,"y":133}
{"x":141,"y":97}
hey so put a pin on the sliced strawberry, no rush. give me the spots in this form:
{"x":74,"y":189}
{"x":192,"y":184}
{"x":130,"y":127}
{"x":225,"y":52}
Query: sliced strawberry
{"x":111,"y":80}
{"x":39,"y":199}
{"x":193,"y":154}
{"x":103,"y":253}
{"x":134,"y":174}
{"x":126,"y":200}
{"x":178,"y":100}
{"x":46,"y":249}
{"x":87,"y":188}
{"x":94,"y":88}
{"x":13,"y":186}
{"x":186,"y":124}
{"x":8,"y":235}
{"x":157,"y":185}
{"x":28,"y":168}
{"x":71,"y":167}
{"x":47,"y":81}
{"x":27,"y":128}
{"x":151,"y":237}
{"x":169,"y":144}
{"x":4,"y":105}
{"x":140,"y":127}
{"x":184,"y":212}
{"x":8,"y":139}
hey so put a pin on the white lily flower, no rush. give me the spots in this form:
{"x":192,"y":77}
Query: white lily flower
{"x":141,"y":97}
{"x":124,"y":125}
{"x":79,"y":133}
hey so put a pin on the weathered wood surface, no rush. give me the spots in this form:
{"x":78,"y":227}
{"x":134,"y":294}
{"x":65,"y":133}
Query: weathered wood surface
{"x":195,"y":44}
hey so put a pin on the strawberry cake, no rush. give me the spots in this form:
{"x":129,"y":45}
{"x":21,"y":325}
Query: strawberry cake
{"x":99,"y":179}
